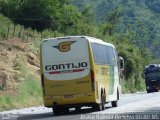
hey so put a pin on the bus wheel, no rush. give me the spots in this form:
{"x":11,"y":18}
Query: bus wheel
{"x":65,"y":110}
{"x":148,"y":91}
{"x":103,"y":101}
{"x":78,"y":108}
{"x":114,"y":103}
{"x":56,"y":111}
{"x":157,"y":90}
{"x":101,"y":105}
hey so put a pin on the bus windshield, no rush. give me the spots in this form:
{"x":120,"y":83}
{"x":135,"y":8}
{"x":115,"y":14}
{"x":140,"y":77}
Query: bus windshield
{"x":153,"y":75}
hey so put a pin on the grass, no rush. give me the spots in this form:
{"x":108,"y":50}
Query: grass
{"x":28,"y":94}
{"x":130,"y":87}
{"x":35,"y":47}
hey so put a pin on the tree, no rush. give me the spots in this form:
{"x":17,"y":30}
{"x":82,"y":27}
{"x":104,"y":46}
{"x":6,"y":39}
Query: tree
{"x":38,"y":14}
{"x":112,"y":20}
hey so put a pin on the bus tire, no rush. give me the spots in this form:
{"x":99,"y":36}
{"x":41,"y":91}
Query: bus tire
{"x":114,"y":103}
{"x":78,"y":108}
{"x":148,"y":91}
{"x":56,"y":111}
{"x":101,"y":105}
{"x":157,"y":90}
{"x":60,"y":110}
{"x":65,"y":110}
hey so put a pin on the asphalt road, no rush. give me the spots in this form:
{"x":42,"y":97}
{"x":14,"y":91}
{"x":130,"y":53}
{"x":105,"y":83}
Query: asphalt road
{"x":131,"y":106}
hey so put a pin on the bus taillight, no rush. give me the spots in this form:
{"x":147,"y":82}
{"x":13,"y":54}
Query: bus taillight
{"x":92,"y":79}
{"x":42,"y":82}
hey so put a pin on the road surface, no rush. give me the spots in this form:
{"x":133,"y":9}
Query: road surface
{"x":131,"y":106}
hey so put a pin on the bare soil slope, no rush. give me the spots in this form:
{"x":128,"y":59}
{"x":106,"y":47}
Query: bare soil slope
{"x":12,"y":53}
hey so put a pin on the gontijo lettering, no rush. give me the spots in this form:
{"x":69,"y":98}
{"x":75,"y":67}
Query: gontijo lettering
{"x":66,"y":66}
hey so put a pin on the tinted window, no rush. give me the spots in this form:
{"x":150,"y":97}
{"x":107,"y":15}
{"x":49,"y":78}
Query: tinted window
{"x":111,"y":56}
{"x":103,"y":54}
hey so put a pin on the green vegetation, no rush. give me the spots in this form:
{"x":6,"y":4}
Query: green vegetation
{"x":136,"y":19}
{"x":129,"y":86}
{"x":3,"y":29}
{"x":131,"y":25}
{"x":28,"y":91}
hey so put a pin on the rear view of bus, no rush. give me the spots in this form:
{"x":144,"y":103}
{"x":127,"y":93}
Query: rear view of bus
{"x":65,"y":73}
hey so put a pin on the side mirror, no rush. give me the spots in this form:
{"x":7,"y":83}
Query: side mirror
{"x":121,"y":62}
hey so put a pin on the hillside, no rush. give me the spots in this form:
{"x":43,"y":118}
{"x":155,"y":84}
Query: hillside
{"x":137,"y":18}
{"x":14,"y":52}
{"x":17,"y":65}
{"x":20,"y":84}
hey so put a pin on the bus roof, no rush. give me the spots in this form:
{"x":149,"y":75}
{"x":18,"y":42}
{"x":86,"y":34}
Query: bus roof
{"x":90,"y":39}
{"x":152,"y":66}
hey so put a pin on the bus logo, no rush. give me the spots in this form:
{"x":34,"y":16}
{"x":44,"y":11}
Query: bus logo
{"x":64,"y":46}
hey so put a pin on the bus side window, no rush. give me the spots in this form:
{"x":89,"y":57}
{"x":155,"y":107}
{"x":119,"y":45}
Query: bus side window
{"x":103,"y":53}
{"x":116,"y":56}
{"x":111,"y":56}
{"x":95,"y":55}
{"x":99,"y":53}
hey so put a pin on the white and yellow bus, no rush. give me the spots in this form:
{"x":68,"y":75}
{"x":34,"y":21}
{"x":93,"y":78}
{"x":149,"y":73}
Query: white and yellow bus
{"x":79,"y":71}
